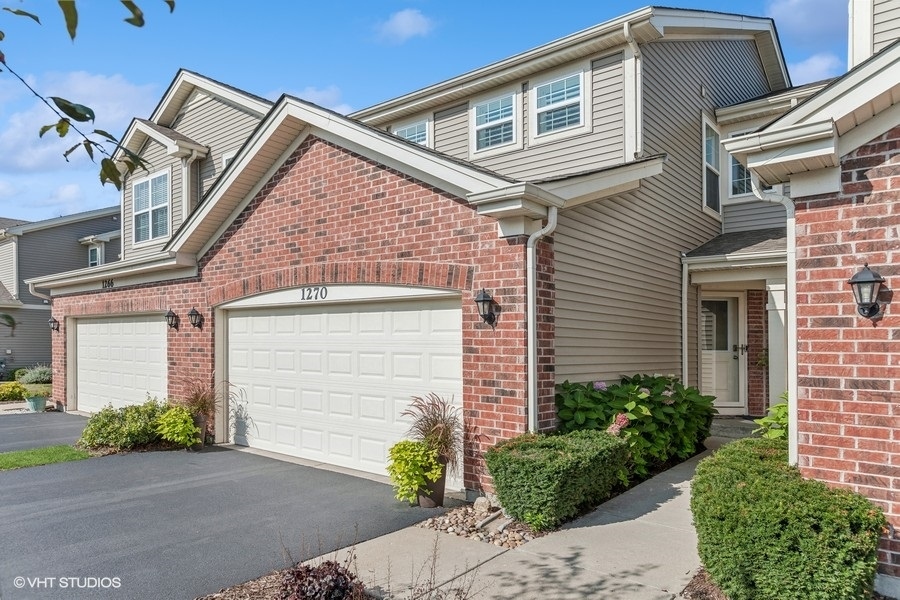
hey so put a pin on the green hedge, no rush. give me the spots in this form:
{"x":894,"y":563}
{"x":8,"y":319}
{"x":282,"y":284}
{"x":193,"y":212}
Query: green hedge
{"x":765,"y":533}
{"x":665,"y":418}
{"x":546,"y":479}
{"x":123,"y":428}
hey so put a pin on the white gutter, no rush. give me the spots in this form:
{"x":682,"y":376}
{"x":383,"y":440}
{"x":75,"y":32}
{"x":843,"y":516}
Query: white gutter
{"x":531,"y":314}
{"x":638,"y":92}
{"x":37,"y":294}
{"x":790,"y":310}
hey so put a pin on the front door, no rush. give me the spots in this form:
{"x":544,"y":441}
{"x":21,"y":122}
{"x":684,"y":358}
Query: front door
{"x":724,"y":352}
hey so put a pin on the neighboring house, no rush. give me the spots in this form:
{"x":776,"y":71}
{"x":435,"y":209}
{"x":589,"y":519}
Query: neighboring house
{"x":38,"y":249}
{"x":839,"y":153}
{"x":331,"y":262}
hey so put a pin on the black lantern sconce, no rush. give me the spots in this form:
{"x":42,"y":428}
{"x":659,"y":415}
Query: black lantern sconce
{"x":54,"y":324}
{"x":195,"y":317}
{"x":866,"y":284}
{"x":172,"y":319}
{"x":487,"y":308}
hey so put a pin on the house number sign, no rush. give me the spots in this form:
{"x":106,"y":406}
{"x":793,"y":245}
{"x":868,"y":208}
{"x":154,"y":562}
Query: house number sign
{"x":314,"y":293}
{"x":107,"y":283}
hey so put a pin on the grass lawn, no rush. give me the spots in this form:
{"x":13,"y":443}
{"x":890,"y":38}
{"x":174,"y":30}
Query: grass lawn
{"x":40,"y":456}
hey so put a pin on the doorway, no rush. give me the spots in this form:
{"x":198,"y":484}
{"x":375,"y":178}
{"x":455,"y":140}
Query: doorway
{"x":723,"y":343}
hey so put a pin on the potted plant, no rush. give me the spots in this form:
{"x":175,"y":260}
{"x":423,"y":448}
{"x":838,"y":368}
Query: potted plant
{"x":200,"y":400}
{"x":434,"y":447}
{"x":37,"y":400}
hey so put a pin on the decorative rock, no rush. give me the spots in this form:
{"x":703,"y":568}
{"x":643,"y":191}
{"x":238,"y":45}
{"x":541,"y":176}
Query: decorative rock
{"x":482,"y":506}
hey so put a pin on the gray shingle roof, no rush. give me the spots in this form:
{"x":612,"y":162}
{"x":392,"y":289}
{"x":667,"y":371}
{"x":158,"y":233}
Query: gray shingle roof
{"x":744,"y":242}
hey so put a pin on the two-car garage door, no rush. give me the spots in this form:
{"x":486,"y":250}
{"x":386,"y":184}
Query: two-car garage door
{"x":328,"y":383}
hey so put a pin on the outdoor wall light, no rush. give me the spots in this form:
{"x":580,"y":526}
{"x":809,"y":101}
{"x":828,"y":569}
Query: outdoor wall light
{"x":172,"y":319}
{"x":487,"y":308}
{"x":54,"y":324}
{"x":195,"y":317}
{"x":865,"y":285}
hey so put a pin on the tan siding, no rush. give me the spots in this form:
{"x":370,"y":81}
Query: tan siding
{"x":693,"y":329}
{"x":886,"y":23}
{"x":154,"y":154}
{"x":754,"y":215}
{"x":8,"y":265}
{"x":451,"y":134}
{"x":605,"y":330}
{"x":603,"y":146}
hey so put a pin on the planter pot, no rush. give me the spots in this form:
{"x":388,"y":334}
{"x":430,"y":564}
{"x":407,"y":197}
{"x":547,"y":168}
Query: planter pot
{"x":200,"y":421}
{"x":36,"y":404}
{"x":433,"y":494}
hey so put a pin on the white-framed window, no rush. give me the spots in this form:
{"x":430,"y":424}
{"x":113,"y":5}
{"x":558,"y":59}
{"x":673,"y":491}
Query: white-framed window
{"x":150,"y":198}
{"x":711,"y":167}
{"x":227,"y":157}
{"x":738,"y":176}
{"x":558,"y":104}
{"x":95,"y":255}
{"x":414,"y":132}
{"x":495,"y":122}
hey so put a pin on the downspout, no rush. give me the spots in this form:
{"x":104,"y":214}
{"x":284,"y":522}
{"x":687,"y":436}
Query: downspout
{"x":684,"y":321}
{"x":638,"y":92}
{"x":37,"y":294}
{"x":531,"y":314}
{"x":790,"y":310}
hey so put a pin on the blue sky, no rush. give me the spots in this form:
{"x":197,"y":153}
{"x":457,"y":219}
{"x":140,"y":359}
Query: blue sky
{"x":344,"y":55}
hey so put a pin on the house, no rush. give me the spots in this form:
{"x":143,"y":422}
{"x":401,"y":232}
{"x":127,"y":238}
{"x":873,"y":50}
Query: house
{"x":839,"y":154}
{"x":34,"y":249}
{"x":326,"y":266}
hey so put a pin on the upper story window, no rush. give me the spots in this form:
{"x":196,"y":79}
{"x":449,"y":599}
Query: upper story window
{"x":558,"y":104}
{"x":495,"y":122}
{"x":740,"y":179}
{"x":711,"y":154}
{"x":95,"y":255}
{"x":151,"y":207}
{"x":414,"y":132}
{"x":227,"y":157}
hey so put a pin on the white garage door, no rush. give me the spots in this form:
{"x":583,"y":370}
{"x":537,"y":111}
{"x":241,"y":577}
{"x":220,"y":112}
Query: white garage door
{"x":329,"y":383}
{"x":119,"y":361}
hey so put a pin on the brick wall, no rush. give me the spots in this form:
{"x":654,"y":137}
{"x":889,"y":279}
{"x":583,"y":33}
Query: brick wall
{"x":849,"y":366}
{"x":757,"y":342}
{"x":329,"y":216}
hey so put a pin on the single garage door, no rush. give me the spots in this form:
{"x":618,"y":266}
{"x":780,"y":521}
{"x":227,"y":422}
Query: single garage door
{"x":328,"y":383}
{"x":119,"y":361}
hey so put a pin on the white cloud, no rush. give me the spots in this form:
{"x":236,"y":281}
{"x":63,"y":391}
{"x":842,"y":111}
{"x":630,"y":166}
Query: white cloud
{"x":328,"y":97}
{"x":811,"y":23}
{"x":403,"y":25}
{"x":815,"y":68}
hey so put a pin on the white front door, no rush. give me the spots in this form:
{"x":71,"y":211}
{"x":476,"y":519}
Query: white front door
{"x":724,"y":352}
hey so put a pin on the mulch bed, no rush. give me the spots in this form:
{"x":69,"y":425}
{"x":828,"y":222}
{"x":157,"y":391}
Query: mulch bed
{"x":701,"y":587}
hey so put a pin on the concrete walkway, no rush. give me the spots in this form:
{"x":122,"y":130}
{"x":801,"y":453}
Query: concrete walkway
{"x":640,"y":545}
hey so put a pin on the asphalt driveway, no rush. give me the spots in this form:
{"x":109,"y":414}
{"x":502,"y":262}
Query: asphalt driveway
{"x":177,"y":524}
{"x":36,"y":430}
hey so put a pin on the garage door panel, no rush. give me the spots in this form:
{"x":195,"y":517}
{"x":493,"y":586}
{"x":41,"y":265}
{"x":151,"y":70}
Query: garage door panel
{"x":354,"y":371}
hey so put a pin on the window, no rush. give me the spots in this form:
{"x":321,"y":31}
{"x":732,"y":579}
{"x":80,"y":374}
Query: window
{"x":740,"y":179}
{"x":227,"y":157}
{"x":151,"y":208}
{"x":495,"y":122}
{"x":710,"y":167}
{"x":95,"y":255}
{"x":415,"y":132}
{"x":558,"y":104}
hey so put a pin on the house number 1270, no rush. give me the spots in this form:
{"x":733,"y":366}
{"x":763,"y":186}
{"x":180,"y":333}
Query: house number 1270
{"x":313,"y":293}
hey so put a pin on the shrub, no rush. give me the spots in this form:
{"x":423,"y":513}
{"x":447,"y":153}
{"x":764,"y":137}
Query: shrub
{"x":546,"y":479}
{"x":775,"y":424}
{"x":176,"y":425}
{"x":665,"y":418}
{"x":765,"y":533}
{"x":410,"y":462}
{"x":327,"y":580}
{"x":36,"y":374}
{"x":123,"y":428}
{"x":17,"y":374}
{"x":13,"y":392}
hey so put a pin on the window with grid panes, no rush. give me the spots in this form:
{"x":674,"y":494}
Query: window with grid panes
{"x":150,"y":197}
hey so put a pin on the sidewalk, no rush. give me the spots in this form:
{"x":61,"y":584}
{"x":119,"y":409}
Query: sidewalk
{"x":640,"y":545}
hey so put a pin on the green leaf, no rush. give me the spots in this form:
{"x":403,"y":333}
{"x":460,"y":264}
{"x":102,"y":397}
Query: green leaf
{"x":630,"y":406}
{"x":71,"y":15}
{"x":62,"y":127}
{"x":137,"y":17}
{"x":2,"y":35}
{"x":566,"y":414}
{"x":110,"y":173}
{"x":70,"y":151}
{"x":108,"y":136}
{"x":22,"y":13}
{"x":79,"y":112}
{"x":579,"y":418}
{"x":171,"y":4}
{"x":89,"y":148}
{"x":45,"y":129}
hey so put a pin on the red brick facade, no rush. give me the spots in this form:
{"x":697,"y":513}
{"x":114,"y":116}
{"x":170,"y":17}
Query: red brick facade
{"x":757,"y":353}
{"x":849,"y":366}
{"x":329,"y":216}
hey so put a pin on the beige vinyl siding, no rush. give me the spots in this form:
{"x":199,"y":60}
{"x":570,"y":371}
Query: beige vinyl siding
{"x":220,"y":126}
{"x":605,"y":329}
{"x":154,"y":154}
{"x":8,"y":265}
{"x":753,"y":215}
{"x":886,"y":26}
{"x":603,"y":146}
{"x":451,"y":133}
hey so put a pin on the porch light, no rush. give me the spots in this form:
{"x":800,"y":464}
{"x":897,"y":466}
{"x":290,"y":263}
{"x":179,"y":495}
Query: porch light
{"x":487,"y":308}
{"x":54,"y":324}
{"x":195,"y":317}
{"x":172,"y":319}
{"x":865,"y":285}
